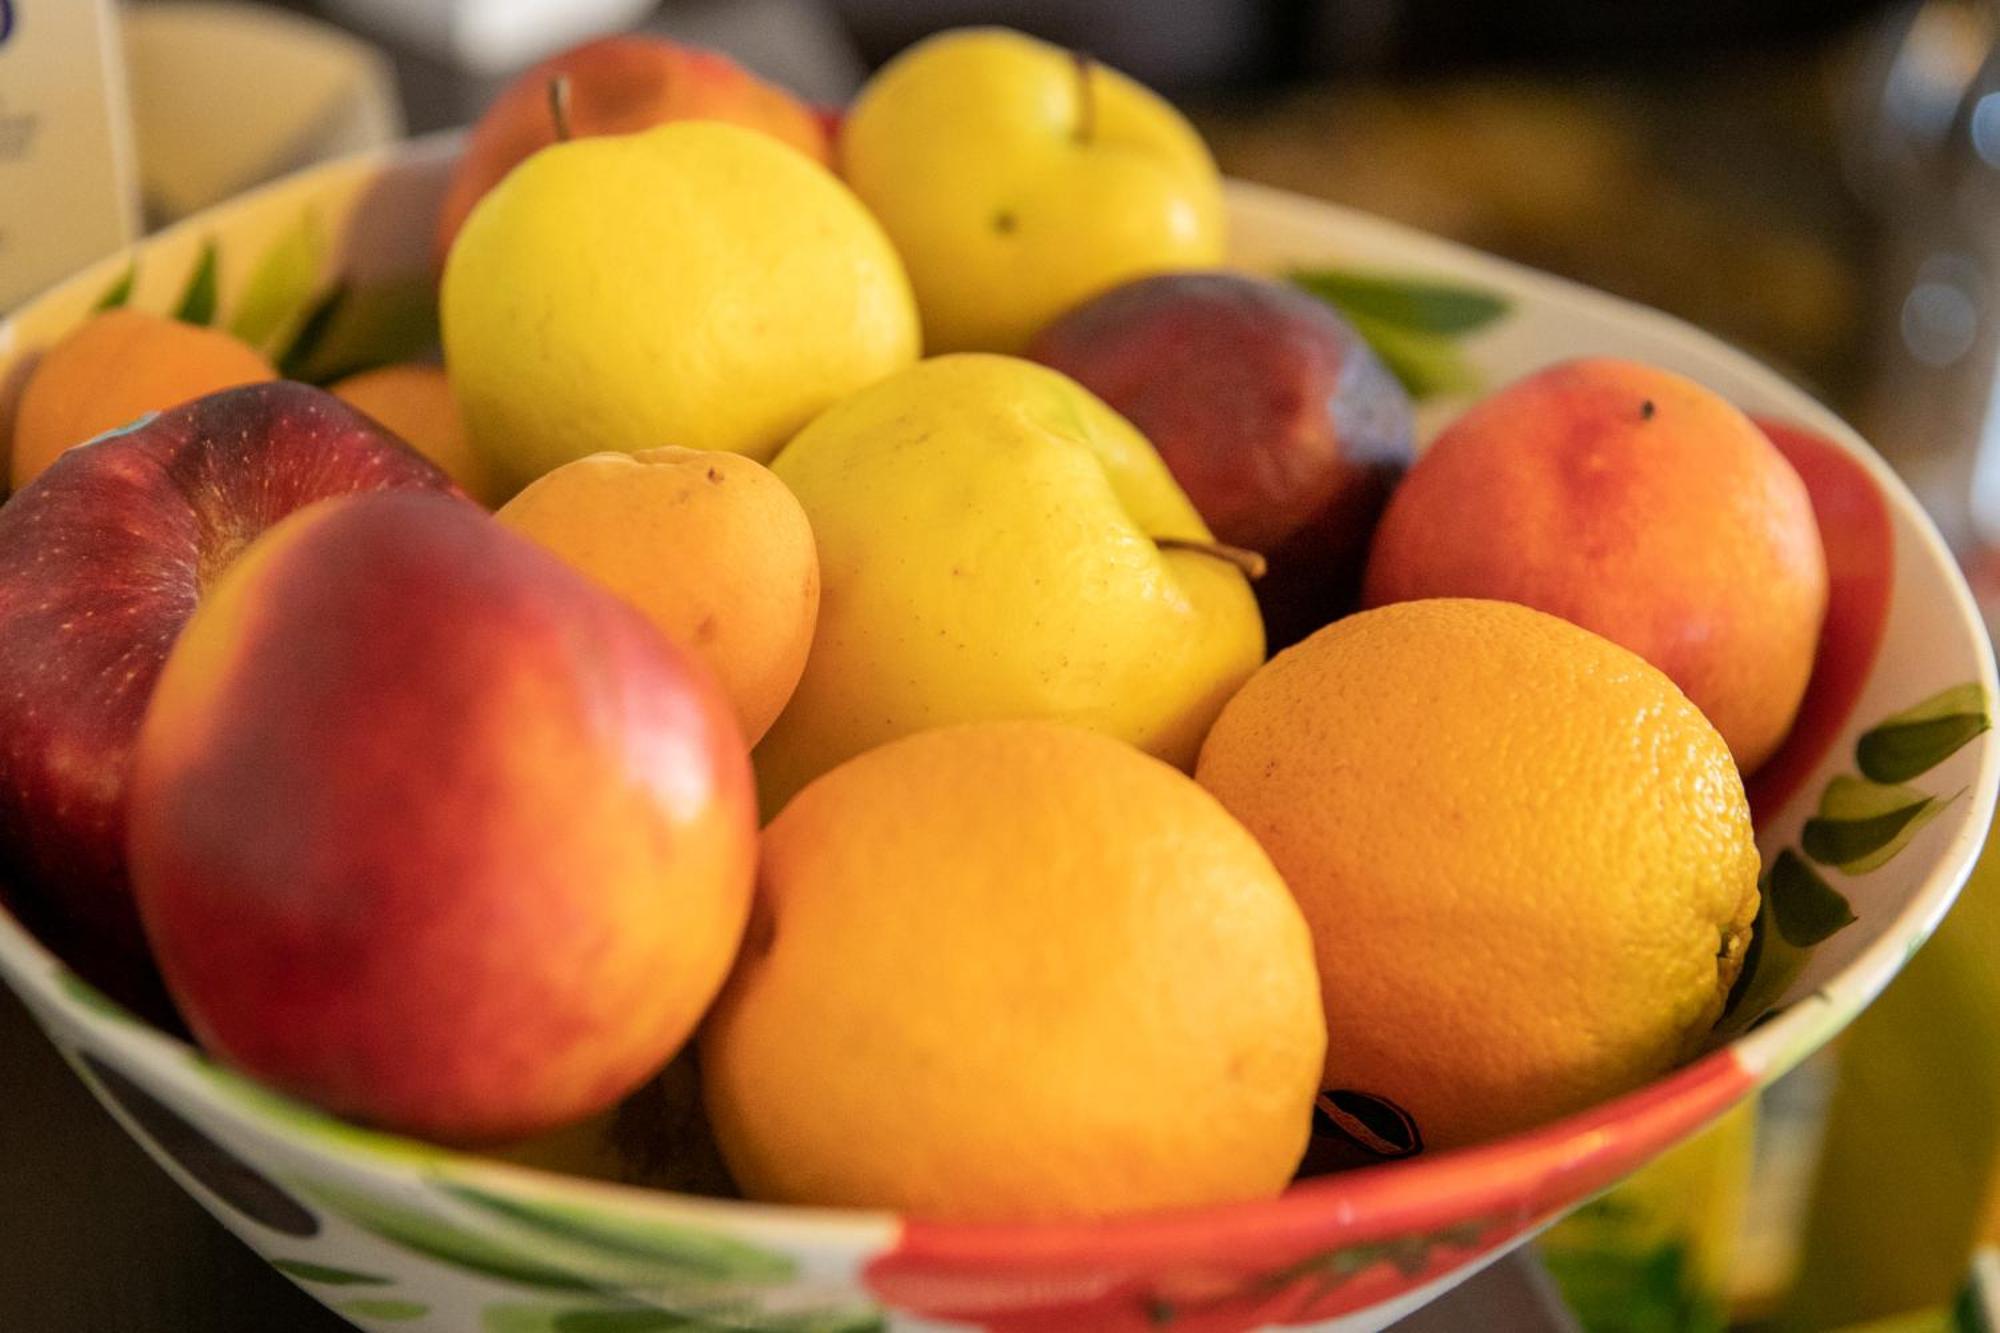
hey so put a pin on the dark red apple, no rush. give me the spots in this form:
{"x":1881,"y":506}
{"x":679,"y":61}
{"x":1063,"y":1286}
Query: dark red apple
{"x":103,"y":558}
{"x":1280,"y":423}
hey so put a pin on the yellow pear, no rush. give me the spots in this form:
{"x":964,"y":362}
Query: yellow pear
{"x":994,"y":542}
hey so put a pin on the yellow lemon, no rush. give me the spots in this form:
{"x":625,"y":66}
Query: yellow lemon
{"x":698,"y":284}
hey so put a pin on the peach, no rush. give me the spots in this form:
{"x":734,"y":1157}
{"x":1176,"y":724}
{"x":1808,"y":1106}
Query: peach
{"x":114,"y":368}
{"x":430,"y":830}
{"x":414,"y":401}
{"x":619,"y":85}
{"x":711,"y":546}
{"x":1640,"y":505}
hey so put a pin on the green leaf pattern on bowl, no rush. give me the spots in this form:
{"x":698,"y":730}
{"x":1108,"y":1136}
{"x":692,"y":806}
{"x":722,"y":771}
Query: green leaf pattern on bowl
{"x":1413,"y":324}
{"x":434,"y":1237}
{"x":282,"y":285}
{"x":197,"y":303}
{"x":1920,"y":738}
{"x":327,"y":1275}
{"x":647,"y":1319}
{"x":661,"y":1253}
{"x":1862,"y":823}
{"x":386,"y":1310}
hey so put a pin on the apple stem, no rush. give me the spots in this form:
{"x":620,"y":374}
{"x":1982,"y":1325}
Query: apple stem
{"x":559,"y":107}
{"x":1252,"y":564}
{"x":1086,"y":104}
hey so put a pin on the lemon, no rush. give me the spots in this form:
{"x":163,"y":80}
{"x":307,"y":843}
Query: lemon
{"x":697,"y":284}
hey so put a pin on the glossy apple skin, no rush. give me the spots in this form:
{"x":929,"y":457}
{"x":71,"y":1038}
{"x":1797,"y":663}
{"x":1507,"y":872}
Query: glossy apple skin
{"x":102,"y":560}
{"x":619,"y":85}
{"x":1279,"y":422}
{"x":434,"y":832}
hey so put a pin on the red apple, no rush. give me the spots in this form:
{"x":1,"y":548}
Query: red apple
{"x":103,"y":558}
{"x":1284,"y":428}
{"x":435,"y":832}
{"x":619,"y":85}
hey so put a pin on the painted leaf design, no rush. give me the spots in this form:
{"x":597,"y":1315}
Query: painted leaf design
{"x":221,"y":1172}
{"x":1861,"y":825}
{"x":1920,"y":738}
{"x":310,"y":332}
{"x":307,"y":1271}
{"x":120,"y":290}
{"x":93,"y":999}
{"x":387,"y":1310}
{"x":197,"y":303}
{"x":1427,"y":365}
{"x":359,"y":328}
{"x":281,"y":286}
{"x":667,"y":1252}
{"x":434,"y":1238}
{"x":1420,"y":305}
{"x":299,"y":1118}
{"x":1770,"y":965}
{"x":1805,"y":909}
{"x":646,"y":1319}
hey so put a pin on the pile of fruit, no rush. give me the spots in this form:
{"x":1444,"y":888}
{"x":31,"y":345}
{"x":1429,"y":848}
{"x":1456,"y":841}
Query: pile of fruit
{"x":863,"y":678}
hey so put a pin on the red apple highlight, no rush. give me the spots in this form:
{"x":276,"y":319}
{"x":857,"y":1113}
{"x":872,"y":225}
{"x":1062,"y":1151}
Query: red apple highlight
{"x":432,"y":831}
{"x":102,"y":559}
{"x":1279,"y":422}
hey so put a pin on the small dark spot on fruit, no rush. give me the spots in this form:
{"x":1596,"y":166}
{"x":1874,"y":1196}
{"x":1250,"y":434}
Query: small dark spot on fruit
{"x":1005,"y":222}
{"x":704,"y":632}
{"x":1646,"y":410}
{"x":715,"y":473}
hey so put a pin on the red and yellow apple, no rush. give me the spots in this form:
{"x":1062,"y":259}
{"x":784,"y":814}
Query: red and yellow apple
{"x":619,"y":85}
{"x":102,"y":559}
{"x":433,"y":831}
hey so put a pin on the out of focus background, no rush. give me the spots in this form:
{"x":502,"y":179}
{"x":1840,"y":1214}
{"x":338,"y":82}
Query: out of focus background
{"x":1816,"y":180}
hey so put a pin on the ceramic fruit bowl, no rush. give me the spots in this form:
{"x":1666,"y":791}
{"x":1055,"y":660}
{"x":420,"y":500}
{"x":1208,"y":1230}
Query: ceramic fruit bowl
{"x":1868,"y":820}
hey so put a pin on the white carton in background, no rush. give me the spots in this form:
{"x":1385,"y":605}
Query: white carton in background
{"x":68,"y":190}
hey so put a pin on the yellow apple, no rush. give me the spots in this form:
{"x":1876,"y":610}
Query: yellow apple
{"x":1018,"y":179}
{"x":994,"y":542}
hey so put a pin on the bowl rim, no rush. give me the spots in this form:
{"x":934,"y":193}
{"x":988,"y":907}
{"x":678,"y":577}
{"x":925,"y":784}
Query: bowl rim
{"x":1486,"y":1180}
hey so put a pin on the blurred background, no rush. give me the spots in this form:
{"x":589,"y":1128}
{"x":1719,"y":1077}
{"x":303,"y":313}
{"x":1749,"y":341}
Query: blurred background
{"x":1815,"y":180}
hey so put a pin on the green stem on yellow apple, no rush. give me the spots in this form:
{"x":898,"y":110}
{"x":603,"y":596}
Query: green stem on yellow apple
{"x":559,"y":107}
{"x":1252,"y":564}
{"x":1086,"y":103}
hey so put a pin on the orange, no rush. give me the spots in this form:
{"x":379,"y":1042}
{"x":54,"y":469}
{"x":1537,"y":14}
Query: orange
{"x":1014,"y":971}
{"x":1635,"y":503}
{"x":1525,"y":857}
{"x":710,"y":545}
{"x":414,"y":401}
{"x":114,"y":368}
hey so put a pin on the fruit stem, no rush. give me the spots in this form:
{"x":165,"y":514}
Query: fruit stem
{"x":559,"y":107}
{"x":1086,"y":104}
{"x":1252,"y":564}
